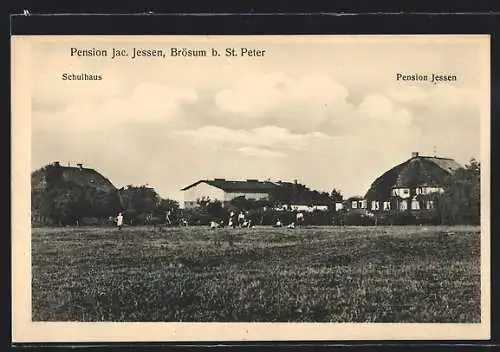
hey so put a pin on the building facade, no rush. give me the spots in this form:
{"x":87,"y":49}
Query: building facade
{"x":287,"y":195}
{"x":225,"y":190}
{"x":410,"y":186}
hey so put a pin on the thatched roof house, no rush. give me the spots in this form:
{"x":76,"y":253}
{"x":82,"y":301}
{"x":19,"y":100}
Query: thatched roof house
{"x":54,"y":187}
{"x":82,"y":176}
{"x":419,"y":175}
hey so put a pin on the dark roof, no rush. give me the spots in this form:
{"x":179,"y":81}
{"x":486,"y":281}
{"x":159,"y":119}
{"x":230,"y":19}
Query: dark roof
{"x":350,"y":199}
{"x":87,"y":176}
{"x":416,"y":171}
{"x":250,"y":186}
{"x":79,"y":175}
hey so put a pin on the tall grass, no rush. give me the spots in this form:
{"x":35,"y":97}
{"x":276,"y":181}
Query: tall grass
{"x":323,"y":274}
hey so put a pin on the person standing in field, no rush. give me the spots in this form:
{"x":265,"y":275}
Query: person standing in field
{"x":167,"y":217}
{"x":241,"y":219}
{"x":232,"y":220}
{"x":119,"y":221}
{"x":300,"y":218}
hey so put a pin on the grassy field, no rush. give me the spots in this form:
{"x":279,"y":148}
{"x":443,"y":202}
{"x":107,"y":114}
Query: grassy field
{"x":323,"y":274}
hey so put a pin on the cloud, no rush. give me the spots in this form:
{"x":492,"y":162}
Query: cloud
{"x":342,"y":119}
{"x":297,"y":101}
{"x":149,"y":102}
{"x":411,"y":94}
{"x":146,"y":103}
{"x":261,"y":152}
{"x":381,"y":109}
{"x":266,"y":136}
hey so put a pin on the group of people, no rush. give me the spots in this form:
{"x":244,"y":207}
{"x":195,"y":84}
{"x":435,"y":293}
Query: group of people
{"x":241,"y":221}
{"x":234,"y":221}
{"x":299,"y":220}
{"x":150,"y":219}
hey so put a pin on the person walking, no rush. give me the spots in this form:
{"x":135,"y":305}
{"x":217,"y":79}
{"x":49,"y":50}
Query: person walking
{"x":119,"y":221}
{"x":167,"y":217}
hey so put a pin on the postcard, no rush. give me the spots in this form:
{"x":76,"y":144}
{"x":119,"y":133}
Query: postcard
{"x":250,"y":188}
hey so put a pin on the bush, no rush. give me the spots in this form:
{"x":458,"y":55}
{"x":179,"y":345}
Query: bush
{"x":357,"y":219}
{"x":197,"y":216}
{"x":404,"y":218}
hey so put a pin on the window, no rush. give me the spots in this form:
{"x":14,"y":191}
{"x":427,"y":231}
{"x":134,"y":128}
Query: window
{"x":354,"y":204}
{"x":415,"y":205}
{"x":387,"y":205}
{"x":363,"y":204}
{"x":429,"y":204}
{"x":375,"y":205}
{"x":401,"y":192}
{"x":403,"y":205}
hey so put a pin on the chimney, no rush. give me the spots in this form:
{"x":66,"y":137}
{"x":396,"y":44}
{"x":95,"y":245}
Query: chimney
{"x":295,"y":181}
{"x":219,"y":179}
{"x":80,"y":166}
{"x":252,"y":180}
{"x":55,"y":163}
{"x":414,"y":154}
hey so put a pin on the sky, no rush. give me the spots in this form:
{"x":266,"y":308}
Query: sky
{"x":327,"y":111}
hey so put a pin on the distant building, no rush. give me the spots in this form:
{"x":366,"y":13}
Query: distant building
{"x":80,"y":175}
{"x":410,"y":185}
{"x":225,"y":190}
{"x":308,"y":208}
{"x":354,"y":203}
{"x":93,"y":184}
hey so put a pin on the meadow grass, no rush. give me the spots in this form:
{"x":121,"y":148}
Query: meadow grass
{"x":317,"y":274}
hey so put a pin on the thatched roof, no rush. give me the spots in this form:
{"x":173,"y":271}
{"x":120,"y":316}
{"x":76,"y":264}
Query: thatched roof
{"x":418,"y":171}
{"x":82,"y":176}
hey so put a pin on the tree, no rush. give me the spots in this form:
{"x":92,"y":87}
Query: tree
{"x":242,"y":203}
{"x":336,"y":195}
{"x":211,"y":207}
{"x":139,"y":200}
{"x":102,"y":203}
{"x":460,"y":202}
{"x":167,"y":205}
{"x":64,"y":204}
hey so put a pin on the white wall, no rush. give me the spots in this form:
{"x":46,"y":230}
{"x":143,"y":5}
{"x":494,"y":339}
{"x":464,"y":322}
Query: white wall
{"x":299,"y":207}
{"x":359,"y":204}
{"x":231,"y":195}
{"x":401,"y":192}
{"x":203,"y":190}
{"x":429,"y":190}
